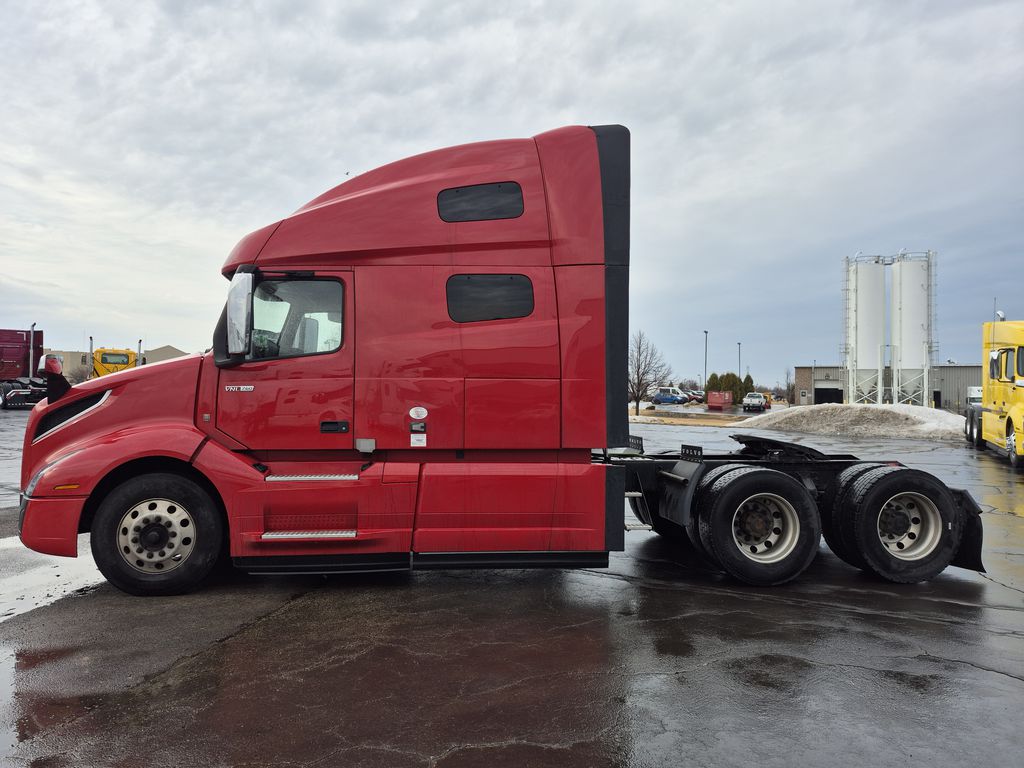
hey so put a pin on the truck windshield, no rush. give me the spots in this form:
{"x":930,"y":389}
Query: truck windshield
{"x":113,"y":358}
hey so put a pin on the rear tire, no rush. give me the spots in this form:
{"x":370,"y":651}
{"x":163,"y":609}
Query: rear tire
{"x":977,"y":436}
{"x":906,"y":525}
{"x":1011,"y":446}
{"x":843,"y":546}
{"x":693,"y":532}
{"x":4,"y":389}
{"x":157,"y":534}
{"x":761,"y":525}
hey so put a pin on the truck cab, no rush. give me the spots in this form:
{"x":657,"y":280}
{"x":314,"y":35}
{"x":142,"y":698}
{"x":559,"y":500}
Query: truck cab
{"x":998,"y":420}
{"x":410,"y":371}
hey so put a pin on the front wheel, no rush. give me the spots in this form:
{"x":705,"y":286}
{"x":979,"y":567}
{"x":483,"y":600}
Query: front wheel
{"x":157,"y":534}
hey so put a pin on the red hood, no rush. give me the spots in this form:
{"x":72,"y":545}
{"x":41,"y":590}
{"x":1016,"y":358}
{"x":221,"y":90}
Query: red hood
{"x":158,"y":393}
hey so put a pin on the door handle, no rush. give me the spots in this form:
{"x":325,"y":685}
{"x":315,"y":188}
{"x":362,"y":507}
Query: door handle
{"x":334,"y":426}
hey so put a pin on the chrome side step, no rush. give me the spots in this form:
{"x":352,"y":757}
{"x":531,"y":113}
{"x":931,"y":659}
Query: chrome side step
{"x":638,"y":526}
{"x":293,"y":535}
{"x":307,"y":478}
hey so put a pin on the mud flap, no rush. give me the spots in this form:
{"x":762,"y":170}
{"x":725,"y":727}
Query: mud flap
{"x":614,"y":508}
{"x":969,"y":554}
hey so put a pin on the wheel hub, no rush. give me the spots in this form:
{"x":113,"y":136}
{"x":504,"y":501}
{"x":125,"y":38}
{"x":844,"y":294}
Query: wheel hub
{"x":156,"y":535}
{"x":909,"y":526}
{"x":765,"y":528}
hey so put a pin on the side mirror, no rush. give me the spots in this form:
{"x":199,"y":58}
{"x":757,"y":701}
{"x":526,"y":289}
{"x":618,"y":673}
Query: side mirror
{"x":84,"y":361}
{"x":52,"y":365}
{"x":239,"y":313}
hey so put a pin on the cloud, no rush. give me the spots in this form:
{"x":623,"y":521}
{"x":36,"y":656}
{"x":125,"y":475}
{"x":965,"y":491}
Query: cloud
{"x":141,"y":140}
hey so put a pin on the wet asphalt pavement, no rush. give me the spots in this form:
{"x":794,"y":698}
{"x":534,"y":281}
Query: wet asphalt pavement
{"x":649,"y":662}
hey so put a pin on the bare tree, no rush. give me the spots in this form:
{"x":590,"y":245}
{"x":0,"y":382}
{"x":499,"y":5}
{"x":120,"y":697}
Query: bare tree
{"x":647,"y":369}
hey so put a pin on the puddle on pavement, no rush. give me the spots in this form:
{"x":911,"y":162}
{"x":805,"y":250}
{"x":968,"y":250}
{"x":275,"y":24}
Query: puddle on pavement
{"x":24,"y":712}
{"x":43,"y":579}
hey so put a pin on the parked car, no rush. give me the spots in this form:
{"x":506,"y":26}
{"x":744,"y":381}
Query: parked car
{"x":754,"y":401}
{"x":669,"y":396}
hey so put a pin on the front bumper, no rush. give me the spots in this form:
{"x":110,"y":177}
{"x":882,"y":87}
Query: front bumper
{"x":50,"y":526}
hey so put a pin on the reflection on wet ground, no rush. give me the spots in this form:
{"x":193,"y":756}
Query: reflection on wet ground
{"x":649,"y":662}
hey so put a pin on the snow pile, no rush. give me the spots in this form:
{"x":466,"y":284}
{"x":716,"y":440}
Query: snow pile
{"x":864,"y":421}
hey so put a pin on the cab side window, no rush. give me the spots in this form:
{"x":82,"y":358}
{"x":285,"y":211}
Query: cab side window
{"x":1008,"y":366}
{"x":1020,"y":362}
{"x":292,"y":318}
{"x":475,"y":298}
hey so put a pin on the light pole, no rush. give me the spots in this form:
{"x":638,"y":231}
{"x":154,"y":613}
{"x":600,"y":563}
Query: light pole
{"x":705,"y":360}
{"x":739,"y":359}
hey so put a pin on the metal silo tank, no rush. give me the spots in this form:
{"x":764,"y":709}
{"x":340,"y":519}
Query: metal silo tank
{"x":865,"y":332}
{"x":911,"y":327}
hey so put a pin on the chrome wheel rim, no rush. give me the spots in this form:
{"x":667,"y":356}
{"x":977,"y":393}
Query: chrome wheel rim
{"x":1011,"y":445}
{"x":909,"y":526}
{"x":765,"y":528}
{"x":156,"y":536}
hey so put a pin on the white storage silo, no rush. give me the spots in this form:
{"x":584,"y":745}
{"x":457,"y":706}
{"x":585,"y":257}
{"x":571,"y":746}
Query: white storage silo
{"x":911,"y":308}
{"x":865,"y":328}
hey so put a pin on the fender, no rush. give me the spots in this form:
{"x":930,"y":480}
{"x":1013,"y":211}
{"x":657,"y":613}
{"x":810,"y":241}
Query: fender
{"x":84,"y":467}
{"x":53,"y":508}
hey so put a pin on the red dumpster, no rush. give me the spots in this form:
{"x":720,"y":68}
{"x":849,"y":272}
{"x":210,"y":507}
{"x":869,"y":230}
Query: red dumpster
{"x":719,"y":401}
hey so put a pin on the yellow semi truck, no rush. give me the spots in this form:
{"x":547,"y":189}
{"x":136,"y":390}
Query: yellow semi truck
{"x":997,"y":422}
{"x":105,"y":360}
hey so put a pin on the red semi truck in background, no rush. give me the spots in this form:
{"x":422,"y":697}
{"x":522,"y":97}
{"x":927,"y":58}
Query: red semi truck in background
{"x":21,"y":353}
{"x":425,"y":367}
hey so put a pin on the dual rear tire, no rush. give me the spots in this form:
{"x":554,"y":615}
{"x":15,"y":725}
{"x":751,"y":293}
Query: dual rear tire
{"x":760,"y":525}
{"x":763,"y":526}
{"x":898,"y":523}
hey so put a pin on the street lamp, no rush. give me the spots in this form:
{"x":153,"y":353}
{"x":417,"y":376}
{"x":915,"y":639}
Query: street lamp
{"x":705,"y":359}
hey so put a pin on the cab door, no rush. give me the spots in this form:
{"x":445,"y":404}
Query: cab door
{"x":295,"y":389}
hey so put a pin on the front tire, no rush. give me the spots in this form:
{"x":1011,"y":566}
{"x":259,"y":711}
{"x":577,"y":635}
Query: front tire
{"x":761,"y":525}
{"x":1011,"y":447}
{"x":157,"y":534}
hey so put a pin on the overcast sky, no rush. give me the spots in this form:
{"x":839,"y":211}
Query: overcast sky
{"x":139,"y":141}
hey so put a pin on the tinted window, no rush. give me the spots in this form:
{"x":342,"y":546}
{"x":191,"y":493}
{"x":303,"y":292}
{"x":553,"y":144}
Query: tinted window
{"x":1020,"y":362}
{"x":481,"y":202}
{"x":296,"y":317}
{"x":472,"y":298}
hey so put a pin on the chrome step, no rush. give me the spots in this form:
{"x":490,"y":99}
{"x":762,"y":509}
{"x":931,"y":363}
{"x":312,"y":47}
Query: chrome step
{"x":638,"y":526}
{"x":292,"y":535}
{"x":307,"y":478}
{"x":634,"y":494}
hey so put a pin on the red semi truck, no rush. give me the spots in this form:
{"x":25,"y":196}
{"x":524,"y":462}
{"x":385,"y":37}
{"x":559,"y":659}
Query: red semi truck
{"x":425,"y":367}
{"x":21,"y":352}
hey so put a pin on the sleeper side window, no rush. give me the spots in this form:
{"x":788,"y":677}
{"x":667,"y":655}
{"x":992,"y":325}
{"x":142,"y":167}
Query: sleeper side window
{"x":476,"y":298}
{"x":292,"y":318}
{"x":481,"y":202}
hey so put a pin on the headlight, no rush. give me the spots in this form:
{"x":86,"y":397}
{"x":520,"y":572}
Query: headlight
{"x":46,"y":467}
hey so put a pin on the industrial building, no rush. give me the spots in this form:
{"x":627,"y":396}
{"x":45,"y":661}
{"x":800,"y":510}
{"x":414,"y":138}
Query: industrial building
{"x":816,"y":384}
